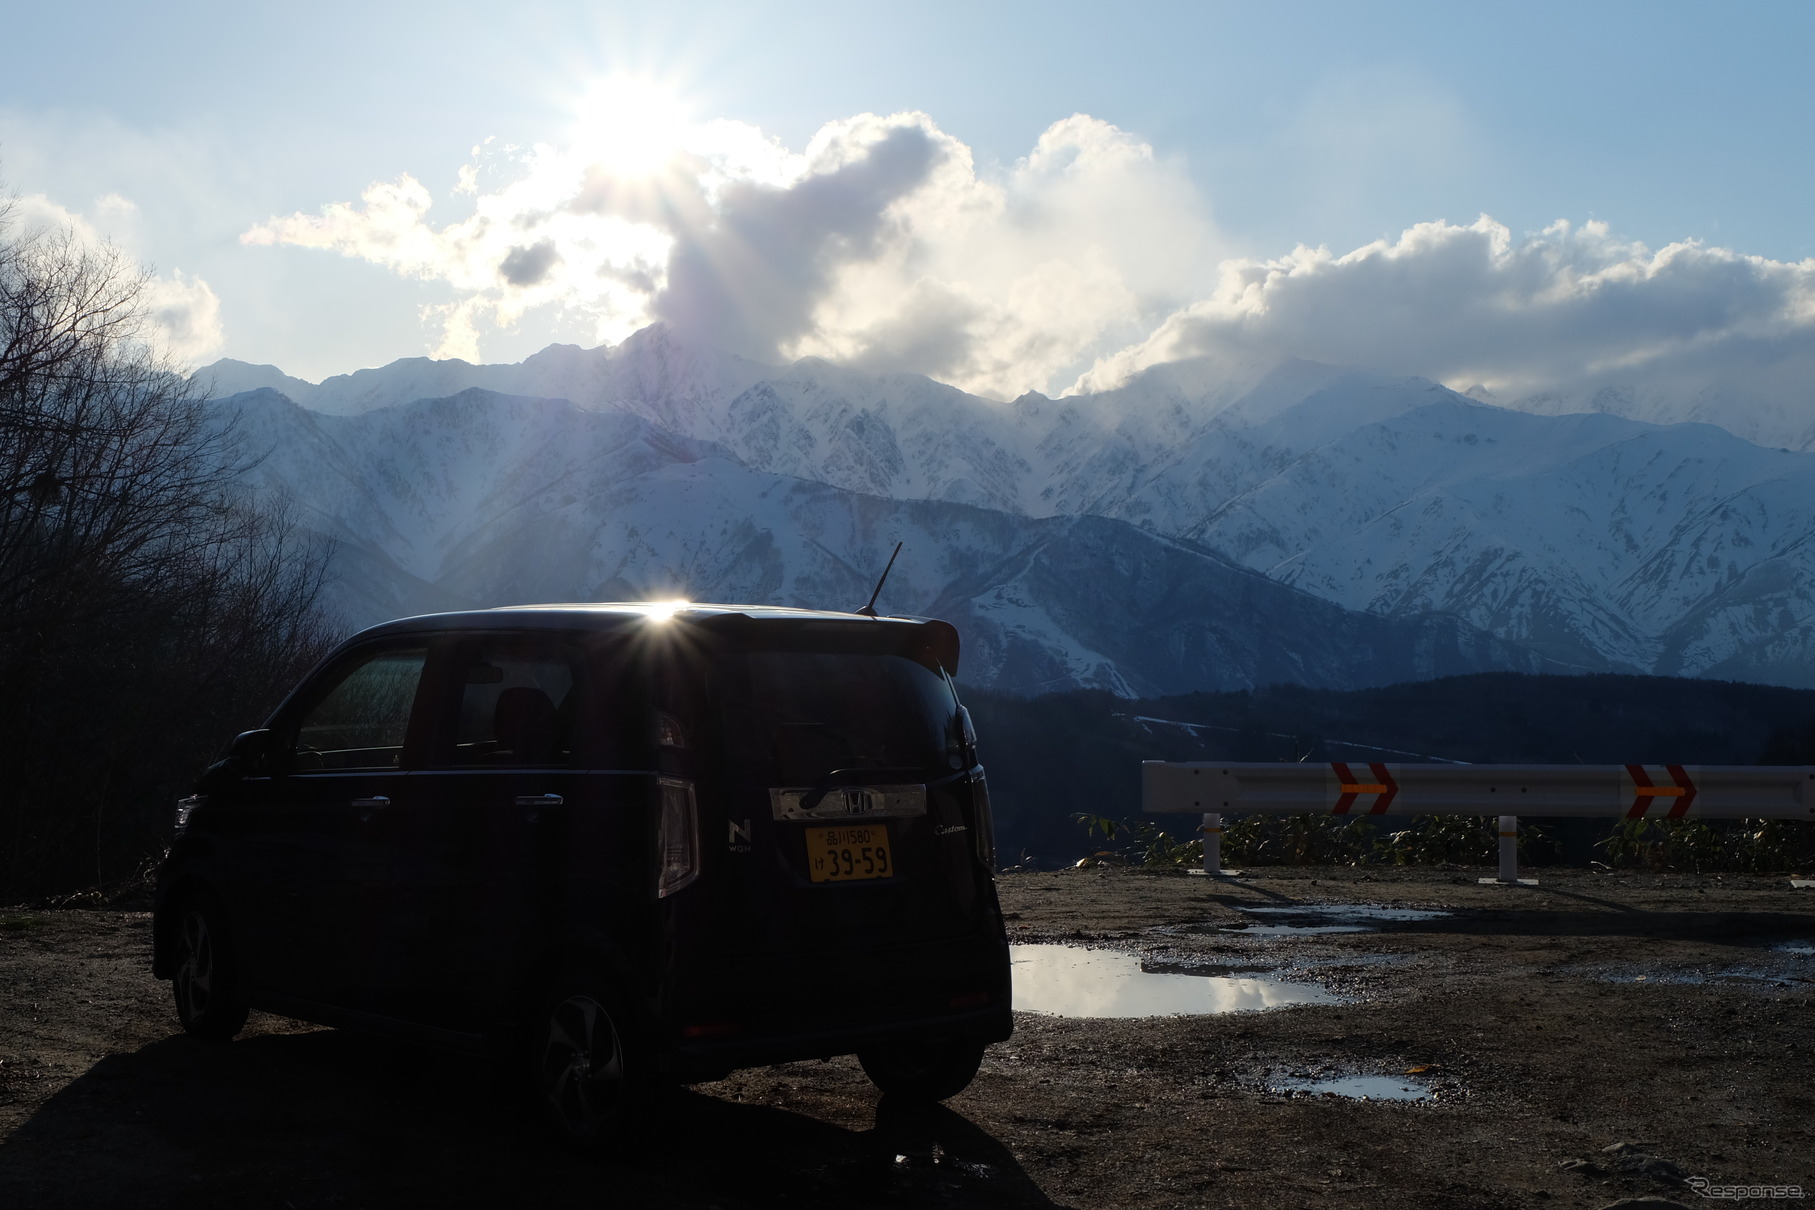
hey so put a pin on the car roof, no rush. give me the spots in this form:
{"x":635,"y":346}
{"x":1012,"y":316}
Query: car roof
{"x":609,"y":615}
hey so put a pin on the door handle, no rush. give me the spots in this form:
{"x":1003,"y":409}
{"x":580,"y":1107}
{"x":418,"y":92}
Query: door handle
{"x":539,"y":800}
{"x":365,"y":806}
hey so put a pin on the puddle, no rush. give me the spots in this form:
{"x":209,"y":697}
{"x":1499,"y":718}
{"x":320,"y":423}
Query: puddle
{"x":1065,"y":981}
{"x":1660,"y":978}
{"x":1357,"y":1088}
{"x":1295,"y":930}
{"x":1802,"y":949}
{"x":1313,"y":919}
{"x":1700,"y":978}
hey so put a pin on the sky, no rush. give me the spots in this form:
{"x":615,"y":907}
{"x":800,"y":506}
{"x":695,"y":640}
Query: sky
{"x":1007,"y":197}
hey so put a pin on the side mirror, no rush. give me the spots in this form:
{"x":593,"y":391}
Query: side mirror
{"x":252,"y":749}
{"x":249,"y":755}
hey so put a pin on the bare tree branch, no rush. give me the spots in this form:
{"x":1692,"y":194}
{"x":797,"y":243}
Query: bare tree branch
{"x":147,"y":601}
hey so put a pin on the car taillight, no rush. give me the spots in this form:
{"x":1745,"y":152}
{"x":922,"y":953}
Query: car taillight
{"x":986,"y":829}
{"x":677,"y":837}
{"x":961,"y":740}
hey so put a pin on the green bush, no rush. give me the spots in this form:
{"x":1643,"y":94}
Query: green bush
{"x":1756,"y":846}
{"x":1297,"y":840}
{"x":1138,"y":843}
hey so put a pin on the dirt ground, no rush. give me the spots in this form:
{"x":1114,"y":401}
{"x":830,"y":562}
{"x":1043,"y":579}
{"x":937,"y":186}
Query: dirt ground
{"x":1673,"y":1015}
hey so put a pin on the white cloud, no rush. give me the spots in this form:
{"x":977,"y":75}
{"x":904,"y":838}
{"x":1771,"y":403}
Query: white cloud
{"x":183,"y":314}
{"x":882,"y":244}
{"x":522,"y":248}
{"x":879,"y":244}
{"x":1000,"y":284}
{"x":1569,"y":309}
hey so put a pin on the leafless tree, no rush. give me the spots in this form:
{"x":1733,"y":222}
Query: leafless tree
{"x":147,"y":601}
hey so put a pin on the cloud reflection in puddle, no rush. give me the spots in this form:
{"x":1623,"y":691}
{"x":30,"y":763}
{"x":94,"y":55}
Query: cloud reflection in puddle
{"x":1065,"y":981}
{"x":1314,"y":919}
{"x":1356,"y":1088}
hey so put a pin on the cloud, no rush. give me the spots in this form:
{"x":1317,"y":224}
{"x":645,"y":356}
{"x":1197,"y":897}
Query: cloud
{"x":1568,"y":309}
{"x":749,"y":273}
{"x":525,"y":266}
{"x":182,"y":312}
{"x":1002,"y":282}
{"x":186,"y":316}
{"x":880,"y":244}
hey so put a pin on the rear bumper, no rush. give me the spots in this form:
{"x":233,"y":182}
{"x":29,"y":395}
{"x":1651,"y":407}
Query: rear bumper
{"x":710,"y":1057}
{"x":755,"y":1010}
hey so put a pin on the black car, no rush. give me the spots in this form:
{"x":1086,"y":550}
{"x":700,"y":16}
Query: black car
{"x":620,"y":845}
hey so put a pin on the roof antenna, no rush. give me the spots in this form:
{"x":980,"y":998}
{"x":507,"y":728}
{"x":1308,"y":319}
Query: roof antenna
{"x":869,"y":611}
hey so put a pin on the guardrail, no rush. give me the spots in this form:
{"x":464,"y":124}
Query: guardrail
{"x":1212,"y":788}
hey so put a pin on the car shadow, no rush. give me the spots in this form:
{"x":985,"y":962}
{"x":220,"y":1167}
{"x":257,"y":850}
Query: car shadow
{"x":334,"y":1119}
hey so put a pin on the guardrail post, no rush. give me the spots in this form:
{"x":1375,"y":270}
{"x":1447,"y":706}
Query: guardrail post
{"x":1509,"y":854}
{"x":1212,"y":832}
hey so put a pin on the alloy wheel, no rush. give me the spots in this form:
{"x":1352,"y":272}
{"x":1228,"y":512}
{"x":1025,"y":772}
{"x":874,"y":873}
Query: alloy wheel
{"x":582,"y":1066}
{"x":195,"y":977}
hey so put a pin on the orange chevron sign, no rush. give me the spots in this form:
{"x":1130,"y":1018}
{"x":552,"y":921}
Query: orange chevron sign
{"x":1646,"y":792}
{"x":1349,"y":788}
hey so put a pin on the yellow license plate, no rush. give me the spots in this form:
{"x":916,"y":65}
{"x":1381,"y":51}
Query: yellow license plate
{"x":849,"y":853}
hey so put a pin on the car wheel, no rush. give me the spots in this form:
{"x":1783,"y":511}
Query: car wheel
{"x":209,"y":999}
{"x":929,"y":1070}
{"x":593,"y":1082}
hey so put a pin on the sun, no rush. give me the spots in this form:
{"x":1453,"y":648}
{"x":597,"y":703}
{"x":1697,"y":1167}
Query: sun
{"x":631,"y":124}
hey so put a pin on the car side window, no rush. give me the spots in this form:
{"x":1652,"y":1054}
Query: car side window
{"x":361,"y":722}
{"x":519,"y":702}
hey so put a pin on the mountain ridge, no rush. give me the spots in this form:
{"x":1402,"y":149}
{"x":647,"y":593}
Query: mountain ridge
{"x":1590,"y":539}
{"x":482,"y":499}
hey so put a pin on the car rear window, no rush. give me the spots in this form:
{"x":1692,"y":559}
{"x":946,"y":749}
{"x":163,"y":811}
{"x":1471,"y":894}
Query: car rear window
{"x":798,"y":709}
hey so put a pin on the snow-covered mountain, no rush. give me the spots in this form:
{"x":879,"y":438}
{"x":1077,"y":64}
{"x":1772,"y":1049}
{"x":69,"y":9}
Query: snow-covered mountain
{"x":1591,"y":540}
{"x":651,"y":374}
{"x":485,"y":499}
{"x":1676,"y":549}
{"x":898,"y":435}
{"x":1765,"y":394}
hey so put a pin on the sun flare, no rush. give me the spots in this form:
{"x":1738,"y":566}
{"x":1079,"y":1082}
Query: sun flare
{"x":632,"y":125}
{"x":661,"y":611}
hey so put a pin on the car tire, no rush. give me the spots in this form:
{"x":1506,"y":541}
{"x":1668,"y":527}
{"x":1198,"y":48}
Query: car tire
{"x":210,"y":999}
{"x":591,"y":1074}
{"x":926,"y":1070}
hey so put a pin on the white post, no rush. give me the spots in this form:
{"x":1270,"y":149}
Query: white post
{"x":1213,"y":842}
{"x":1509,"y":848}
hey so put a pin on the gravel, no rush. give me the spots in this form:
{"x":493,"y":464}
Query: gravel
{"x":1593,"y":1039}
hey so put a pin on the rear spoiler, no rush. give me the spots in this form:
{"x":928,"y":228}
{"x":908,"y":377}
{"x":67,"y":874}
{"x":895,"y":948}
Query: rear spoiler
{"x":931,"y":641}
{"x":941,"y":643}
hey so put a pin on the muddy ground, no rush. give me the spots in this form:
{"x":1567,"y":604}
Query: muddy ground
{"x":1673,"y":1015}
